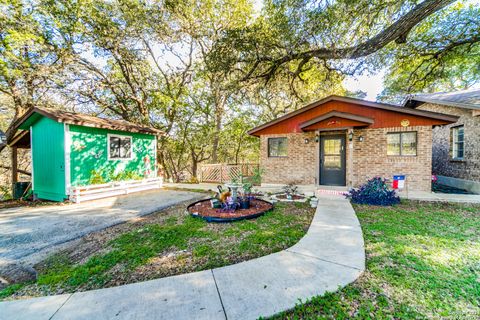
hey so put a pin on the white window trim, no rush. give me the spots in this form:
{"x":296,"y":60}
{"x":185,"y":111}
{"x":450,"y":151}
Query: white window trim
{"x":455,"y":142}
{"x":31,"y":159}
{"x":119,"y":136}
{"x":67,"y":150}
{"x":155,"y":167}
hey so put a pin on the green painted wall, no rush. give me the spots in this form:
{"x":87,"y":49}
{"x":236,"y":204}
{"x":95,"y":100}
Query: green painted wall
{"x":48,"y":159}
{"x":89,"y":152}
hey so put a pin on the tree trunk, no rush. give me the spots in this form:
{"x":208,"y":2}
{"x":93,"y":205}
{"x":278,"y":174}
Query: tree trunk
{"x":220,"y":100}
{"x":194,"y":167}
{"x":216,"y":135}
{"x":14,"y":162}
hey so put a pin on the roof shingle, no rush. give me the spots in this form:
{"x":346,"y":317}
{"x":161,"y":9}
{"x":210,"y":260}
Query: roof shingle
{"x":87,"y":121}
{"x":469,"y":99}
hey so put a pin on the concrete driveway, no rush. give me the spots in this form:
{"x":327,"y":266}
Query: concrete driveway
{"x":26,"y":232}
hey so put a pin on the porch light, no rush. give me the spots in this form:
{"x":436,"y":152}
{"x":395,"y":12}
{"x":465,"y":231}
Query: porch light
{"x":350,"y":136}
{"x":306,"y":140}
{"x":317,"y":138}
{"x":360,"y":138}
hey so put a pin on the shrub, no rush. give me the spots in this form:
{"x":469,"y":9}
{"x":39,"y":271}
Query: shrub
{"x":125,"y":175}
{"x":96,"y":177}
{"x":374,"y":192}
{"x":193,"y":180}
{"x":256,"y":178}
{"x":290,"y":189}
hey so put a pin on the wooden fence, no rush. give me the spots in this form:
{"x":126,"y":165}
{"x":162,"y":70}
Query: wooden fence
{"x":220,"y":172}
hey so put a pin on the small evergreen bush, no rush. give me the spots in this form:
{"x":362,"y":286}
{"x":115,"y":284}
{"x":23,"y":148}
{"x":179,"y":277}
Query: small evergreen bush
{"x":374,"y":192}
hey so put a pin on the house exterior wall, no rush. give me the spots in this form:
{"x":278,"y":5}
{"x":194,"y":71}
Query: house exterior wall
{"x":469,"y":167}
{"x":48,"y":160}
{"x":365,"y":160}
{"x":89,"y":155}
{"x":370,"y":158}
{"x":299,"y":166}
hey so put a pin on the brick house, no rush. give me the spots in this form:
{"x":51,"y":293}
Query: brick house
{"x":341,"y":141}
{"x":456,"y":146}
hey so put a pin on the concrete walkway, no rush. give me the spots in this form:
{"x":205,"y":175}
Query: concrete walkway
{"x":329,"y":256}
{"x":442,"y":197}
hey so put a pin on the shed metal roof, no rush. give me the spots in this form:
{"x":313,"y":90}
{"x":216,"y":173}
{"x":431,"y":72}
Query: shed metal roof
{"x":82,"y":120}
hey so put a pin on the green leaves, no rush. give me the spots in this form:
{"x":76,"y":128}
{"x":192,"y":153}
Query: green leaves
{"x":443,"y":54}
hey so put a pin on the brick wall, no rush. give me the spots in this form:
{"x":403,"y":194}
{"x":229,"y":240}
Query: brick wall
{"x":298,"y":167}
{"x":370,"y":158}
{"x":469,"y":168}
{"x":364,"y":159}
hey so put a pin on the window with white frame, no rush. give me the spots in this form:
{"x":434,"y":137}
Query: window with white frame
{"x":457,"y":146}
{"x":119,"y":147}
{"x":402,"y":143}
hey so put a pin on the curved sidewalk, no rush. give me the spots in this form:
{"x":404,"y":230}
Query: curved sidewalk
{"x":329,"y":256}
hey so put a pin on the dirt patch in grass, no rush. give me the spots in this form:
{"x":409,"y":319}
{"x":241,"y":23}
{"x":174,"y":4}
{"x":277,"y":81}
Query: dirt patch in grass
{"x":165,"y":243}
{"x":7,"y":204}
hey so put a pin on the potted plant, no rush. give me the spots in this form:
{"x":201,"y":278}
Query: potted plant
{"x":247,"y":188}
{"x":313,"y":202}
{"x":244,"y":201}
{"x":290,"y":190}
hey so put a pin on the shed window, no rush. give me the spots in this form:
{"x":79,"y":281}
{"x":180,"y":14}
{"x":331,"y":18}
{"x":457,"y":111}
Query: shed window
{"x":402,"y":144}
{"x":277,"y":147}
{"x":457,"y":142}
{"x":119,"y":147}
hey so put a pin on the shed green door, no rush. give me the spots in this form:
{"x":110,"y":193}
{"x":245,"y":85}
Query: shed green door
{"x":48,"y":159}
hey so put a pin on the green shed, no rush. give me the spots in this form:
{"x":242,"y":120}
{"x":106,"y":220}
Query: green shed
{"x":77,"y":156}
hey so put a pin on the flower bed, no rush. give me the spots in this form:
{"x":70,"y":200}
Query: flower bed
{"x":203,"y":209}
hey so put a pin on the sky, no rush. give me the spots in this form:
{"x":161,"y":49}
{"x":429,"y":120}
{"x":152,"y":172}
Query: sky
{"x":372,"y":84}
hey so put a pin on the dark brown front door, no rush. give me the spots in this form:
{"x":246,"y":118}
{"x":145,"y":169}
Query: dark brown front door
{"x":332,"y":160}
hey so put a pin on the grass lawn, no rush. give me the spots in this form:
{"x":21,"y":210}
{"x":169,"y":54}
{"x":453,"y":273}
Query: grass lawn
{"x":166,"y":243}
{"x":423,"y":262}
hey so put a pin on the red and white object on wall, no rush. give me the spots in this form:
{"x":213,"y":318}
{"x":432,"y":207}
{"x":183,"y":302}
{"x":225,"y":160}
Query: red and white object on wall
{"x":398,"y":182}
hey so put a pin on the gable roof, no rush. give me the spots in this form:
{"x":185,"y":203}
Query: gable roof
{"x":359,"y":102}
{"x":80,"y":119}
{"x":344,"y":115}
{"x":469,"y":99}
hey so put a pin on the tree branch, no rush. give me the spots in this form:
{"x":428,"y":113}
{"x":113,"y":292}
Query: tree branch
{"x":398,"y":31}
